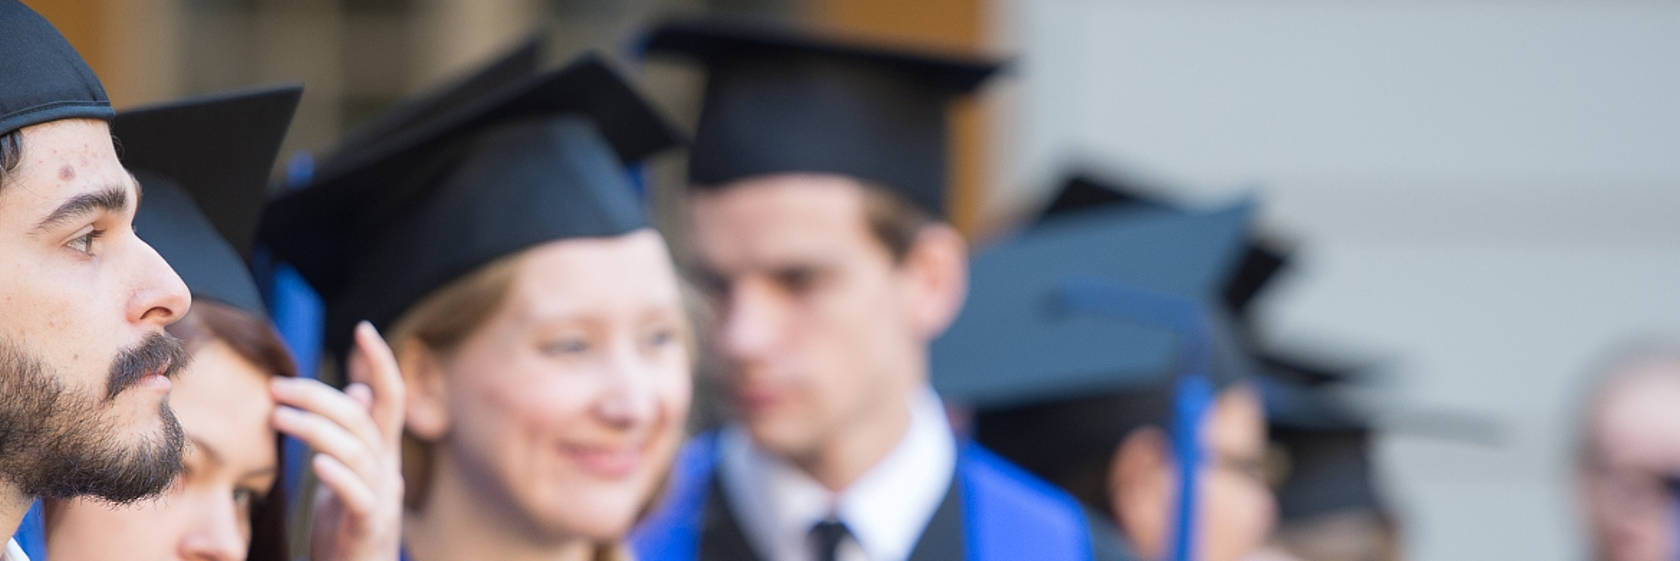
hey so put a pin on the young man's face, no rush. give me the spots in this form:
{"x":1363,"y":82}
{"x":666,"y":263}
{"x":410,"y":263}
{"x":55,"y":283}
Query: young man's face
{"x":84,"y":361}
{"x":817,"y":321}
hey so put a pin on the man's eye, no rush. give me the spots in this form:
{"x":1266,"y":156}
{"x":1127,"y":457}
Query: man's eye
{"x":84,"y":244}
{"x":796,"y":280}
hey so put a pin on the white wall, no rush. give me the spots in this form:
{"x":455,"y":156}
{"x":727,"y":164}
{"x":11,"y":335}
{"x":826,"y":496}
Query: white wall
{"x":1485,"y":191}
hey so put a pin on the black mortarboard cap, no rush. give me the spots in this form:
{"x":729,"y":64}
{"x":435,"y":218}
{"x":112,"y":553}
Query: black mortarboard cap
{"x":538,"y":161}
{"x":204,"y":164}
{"x":779,"y":100}
{"x":1329,"y":471}
{"x":1259,"y":265}
{"x":1023,"y":336}
{"x":1325,"y":441}
{"x":44,"y":78}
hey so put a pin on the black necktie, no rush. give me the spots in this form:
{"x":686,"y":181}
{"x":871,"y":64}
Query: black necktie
{"x":828,"y":534}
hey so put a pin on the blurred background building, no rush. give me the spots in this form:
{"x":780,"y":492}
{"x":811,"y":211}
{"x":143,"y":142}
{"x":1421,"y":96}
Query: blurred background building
{"x":1482,"y":194}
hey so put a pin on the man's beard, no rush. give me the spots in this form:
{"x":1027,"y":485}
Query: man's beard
{"x":57,"y":443}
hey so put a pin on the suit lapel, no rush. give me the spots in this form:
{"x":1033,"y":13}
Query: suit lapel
{"x":945,"y":537}
{"x":721,"y":537}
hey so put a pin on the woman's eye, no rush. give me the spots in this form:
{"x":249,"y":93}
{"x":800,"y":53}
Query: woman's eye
{"x":563,"y":347}
{"x":84,"y":244}
{"x":662,"y":337}
{"x":247,"y":498}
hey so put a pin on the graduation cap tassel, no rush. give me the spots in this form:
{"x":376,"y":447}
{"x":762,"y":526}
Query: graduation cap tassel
{"x":1193,"y":394}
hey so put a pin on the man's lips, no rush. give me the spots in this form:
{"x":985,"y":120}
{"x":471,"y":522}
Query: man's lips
{"x":759,"y":398}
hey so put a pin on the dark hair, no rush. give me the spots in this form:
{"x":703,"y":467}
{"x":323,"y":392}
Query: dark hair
{"x":253,"y":339}
{"x":11,"y":153}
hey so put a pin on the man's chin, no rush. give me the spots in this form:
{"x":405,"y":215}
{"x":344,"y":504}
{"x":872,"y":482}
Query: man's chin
{"x":148,"y":462}
{"x":778,"y":436}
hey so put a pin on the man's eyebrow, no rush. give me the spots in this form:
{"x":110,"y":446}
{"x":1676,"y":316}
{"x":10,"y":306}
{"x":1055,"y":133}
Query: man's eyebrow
{"x":113,"y":198}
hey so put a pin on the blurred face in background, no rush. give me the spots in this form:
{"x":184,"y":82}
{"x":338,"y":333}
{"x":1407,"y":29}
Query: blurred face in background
{"x":1236,"y":511}
{"x":84,"y":362}
{"x":230,"y":467}
{"x":1630,"y":462}
{"x":563,"y":410}
{"x":821,"y":327}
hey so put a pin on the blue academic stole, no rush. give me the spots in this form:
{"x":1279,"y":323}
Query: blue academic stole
{"x":1008,"y":514}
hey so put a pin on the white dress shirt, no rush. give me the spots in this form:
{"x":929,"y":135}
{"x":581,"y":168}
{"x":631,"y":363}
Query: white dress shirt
{"x":885,"y":510}
{"x":13,"y":552}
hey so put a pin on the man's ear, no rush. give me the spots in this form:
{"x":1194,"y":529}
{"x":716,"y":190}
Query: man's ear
{"x":426,"y":415}
{"x":936,"y":267}
{"x":1140,"y":489}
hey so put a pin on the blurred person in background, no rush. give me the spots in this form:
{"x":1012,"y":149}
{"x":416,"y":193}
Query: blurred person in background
{"x":535,"y":314}
{"x":1628,"y":456}
{"x":816,"y":200}
{"x":1092,"y":357}
{"x":85,"y":364}
{"x":204,"y":163}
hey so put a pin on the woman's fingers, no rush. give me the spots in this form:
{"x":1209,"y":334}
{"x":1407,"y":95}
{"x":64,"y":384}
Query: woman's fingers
{"x":320,"y":399}
{"x":376,"y":366}
{"x":330,"y":439}
{"x":352,"y":491}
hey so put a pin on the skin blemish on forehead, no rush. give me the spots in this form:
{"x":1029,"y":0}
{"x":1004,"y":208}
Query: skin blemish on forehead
{"x":67,"y":172}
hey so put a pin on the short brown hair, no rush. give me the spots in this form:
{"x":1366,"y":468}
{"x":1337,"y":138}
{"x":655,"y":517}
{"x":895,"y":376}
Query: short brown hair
{"x":253,"y":339}
{"x":894,"y":220}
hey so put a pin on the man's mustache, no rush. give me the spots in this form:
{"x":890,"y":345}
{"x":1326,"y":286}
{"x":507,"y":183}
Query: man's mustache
{"x":160,"y":353}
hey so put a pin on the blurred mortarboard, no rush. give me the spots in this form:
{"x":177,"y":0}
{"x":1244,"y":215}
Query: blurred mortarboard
{"x":204,"y":163}
{"x":541,"y":160}
{"x":1082,"y":192}
{"x":1021,"y":338}
{"x":778,"y":100}
{"x":1324,"y":441}
{"x":45,"y":80}
{"x":1326,"y":434}
{"x":518,"y":63}
{"x":1080,"y":330}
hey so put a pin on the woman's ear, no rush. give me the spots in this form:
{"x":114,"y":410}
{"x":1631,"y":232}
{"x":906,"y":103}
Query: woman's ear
{"x":1140,"y":489}
{"x":426,"y":416}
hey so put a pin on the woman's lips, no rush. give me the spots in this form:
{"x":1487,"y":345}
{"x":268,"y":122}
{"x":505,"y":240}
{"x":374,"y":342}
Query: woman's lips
{"x":606,"y":461}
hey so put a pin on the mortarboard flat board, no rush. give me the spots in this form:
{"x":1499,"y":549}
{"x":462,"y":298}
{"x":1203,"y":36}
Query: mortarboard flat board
{"x":520,"y":62}
{"x":537,"y":161}
{"x":1261,"y":262}
{"x":45,"y":79}
{"x":779,"y":100}
{"x":204,"y":163}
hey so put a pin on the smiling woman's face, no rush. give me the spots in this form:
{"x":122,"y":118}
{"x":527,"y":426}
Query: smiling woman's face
{"x":223,"y":403}
{"x":566,"y":406}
